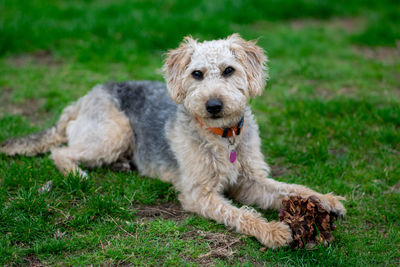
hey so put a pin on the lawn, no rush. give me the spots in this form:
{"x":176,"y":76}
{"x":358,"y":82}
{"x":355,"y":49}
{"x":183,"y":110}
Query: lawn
{"x":329,"y":119}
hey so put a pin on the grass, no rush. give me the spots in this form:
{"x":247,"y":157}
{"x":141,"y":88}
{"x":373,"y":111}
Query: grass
{"x":329,"y":118}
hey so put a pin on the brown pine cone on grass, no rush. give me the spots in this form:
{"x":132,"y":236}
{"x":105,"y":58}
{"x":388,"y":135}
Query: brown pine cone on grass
{"x":310,"y":222}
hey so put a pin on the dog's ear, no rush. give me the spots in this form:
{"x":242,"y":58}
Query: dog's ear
{"x":254,"y":60}
{"x":175,"y":65}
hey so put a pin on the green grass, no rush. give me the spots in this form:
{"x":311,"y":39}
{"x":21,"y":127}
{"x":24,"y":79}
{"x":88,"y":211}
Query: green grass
{"x":329,"y":119}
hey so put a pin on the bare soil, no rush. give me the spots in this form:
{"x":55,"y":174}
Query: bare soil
{"x":349,"y":24}
{"x":380,"y":53}
{"x":169,"y":211}
{"x":30,"y":108}
{"x":220,"y":245}
{"x":41,"y":57}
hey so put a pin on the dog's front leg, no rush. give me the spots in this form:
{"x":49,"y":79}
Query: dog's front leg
{"x":211,"y":204}
{"x":254,"y":188}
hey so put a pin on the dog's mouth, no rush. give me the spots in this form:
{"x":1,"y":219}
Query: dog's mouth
{"x":222,"y":115}
{"x":221,"y":120}
{"x":215,"y":117}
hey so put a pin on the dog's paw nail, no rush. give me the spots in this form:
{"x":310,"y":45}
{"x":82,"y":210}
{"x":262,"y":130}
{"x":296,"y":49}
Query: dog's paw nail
{"x":339,"y":213}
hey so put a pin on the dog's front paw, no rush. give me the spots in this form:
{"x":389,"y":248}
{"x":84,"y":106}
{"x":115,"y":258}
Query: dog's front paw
{"x":276,"y":234}
{"x":333,"y":204}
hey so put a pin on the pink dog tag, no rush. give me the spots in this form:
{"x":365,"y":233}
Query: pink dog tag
{"x":232,"y":156}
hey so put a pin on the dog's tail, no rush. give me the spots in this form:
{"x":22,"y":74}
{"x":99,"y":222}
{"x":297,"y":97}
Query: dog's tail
{"x":38,"y":143}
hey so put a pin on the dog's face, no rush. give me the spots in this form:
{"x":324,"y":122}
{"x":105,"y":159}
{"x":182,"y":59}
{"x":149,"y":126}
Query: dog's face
{"x":215,"y":79}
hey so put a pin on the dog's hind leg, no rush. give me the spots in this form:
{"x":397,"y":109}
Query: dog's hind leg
{"x":100,"y":135}
{"x":67,"y":160}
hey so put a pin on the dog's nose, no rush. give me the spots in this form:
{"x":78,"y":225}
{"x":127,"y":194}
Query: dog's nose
{"x":214,"y":106}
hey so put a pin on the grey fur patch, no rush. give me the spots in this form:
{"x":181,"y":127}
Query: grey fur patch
{"x":149,"y":108}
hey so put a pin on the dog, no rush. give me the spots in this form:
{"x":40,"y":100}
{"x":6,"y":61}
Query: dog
{"x":196,"y":131}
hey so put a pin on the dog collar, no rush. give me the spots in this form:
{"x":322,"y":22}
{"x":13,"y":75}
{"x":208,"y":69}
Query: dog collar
{"x":225,"y":132}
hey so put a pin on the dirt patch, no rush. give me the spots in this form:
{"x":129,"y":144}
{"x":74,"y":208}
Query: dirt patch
{"x":277,"y":171}
{"x":33,"y":261}
{"x":394,"y":189}
{"x":337,"y":152}
{"x":41,"y":57}
{"x":170,"y":211}
{"x":380,"y":53}
{"x":349,"y":24}
{"x":5,"y":95}
{"x":28,"y":108}
{"x":220,"y":245}
{"x":329,"y":93}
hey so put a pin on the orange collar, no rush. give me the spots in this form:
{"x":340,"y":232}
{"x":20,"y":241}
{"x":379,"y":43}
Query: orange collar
{"x":225,"y":132}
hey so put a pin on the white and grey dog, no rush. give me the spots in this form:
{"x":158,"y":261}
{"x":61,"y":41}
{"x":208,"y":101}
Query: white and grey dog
{"x":205,"y":141}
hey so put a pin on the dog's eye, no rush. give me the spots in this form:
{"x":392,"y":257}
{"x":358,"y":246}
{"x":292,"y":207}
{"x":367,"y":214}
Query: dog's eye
{"x":228,"y":72}
{"x":198,"y":75}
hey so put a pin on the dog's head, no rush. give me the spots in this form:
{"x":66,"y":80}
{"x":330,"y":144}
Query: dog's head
{"x":215,"y":79}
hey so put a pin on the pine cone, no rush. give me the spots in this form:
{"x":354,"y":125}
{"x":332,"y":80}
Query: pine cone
{"x":310,"y":222}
